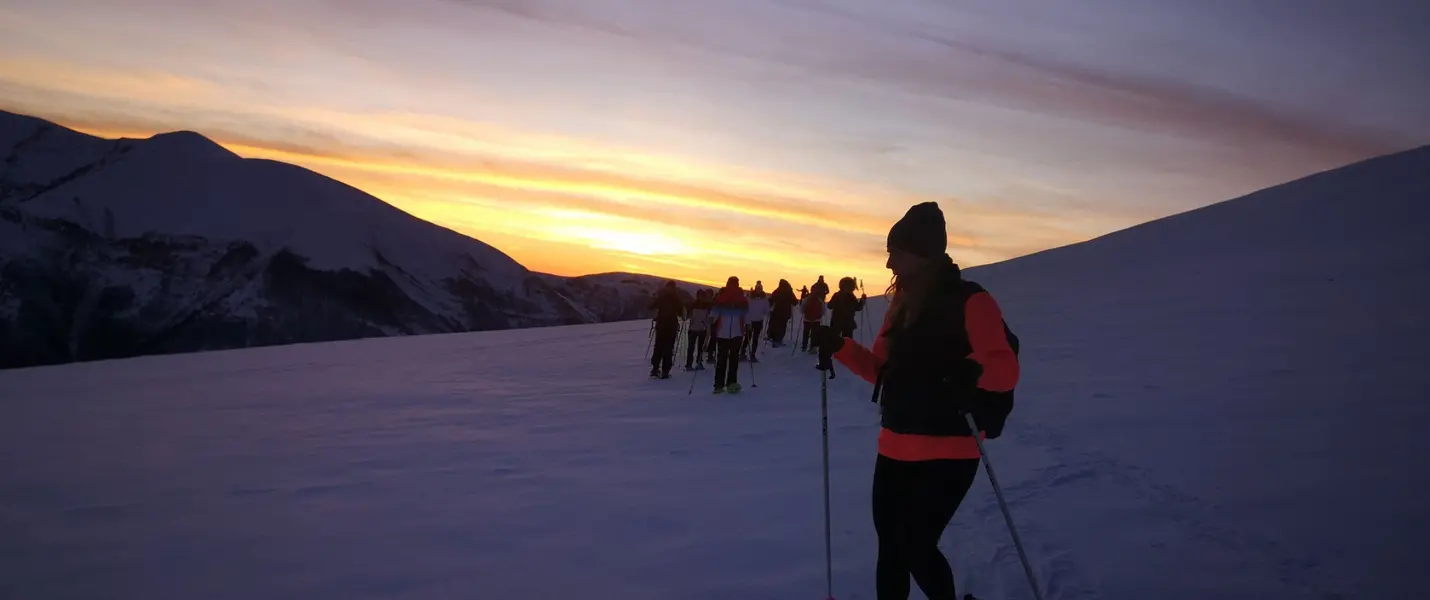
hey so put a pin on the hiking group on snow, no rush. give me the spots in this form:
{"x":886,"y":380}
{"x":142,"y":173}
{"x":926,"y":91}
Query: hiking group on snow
{"x":944,"y":365}
{"x":725,"y":326}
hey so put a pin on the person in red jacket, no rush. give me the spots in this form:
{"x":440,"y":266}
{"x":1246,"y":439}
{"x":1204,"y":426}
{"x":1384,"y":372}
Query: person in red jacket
{"x":728,"y":330}
{"x":940,"y":353}
{"x":813,"y":308}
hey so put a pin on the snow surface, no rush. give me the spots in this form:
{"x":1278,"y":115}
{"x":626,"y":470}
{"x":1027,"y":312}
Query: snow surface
{"x":1216,"y":405}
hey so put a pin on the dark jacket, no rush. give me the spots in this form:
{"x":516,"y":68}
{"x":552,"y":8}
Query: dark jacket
{"x":782,"y":303}
{"x":842,"y":307}
{"x":668,"y":308}
{"x":956,"y":350}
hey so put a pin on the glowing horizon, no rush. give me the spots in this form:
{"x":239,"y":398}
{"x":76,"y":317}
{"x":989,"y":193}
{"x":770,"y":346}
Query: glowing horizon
{"x":759,"y":138}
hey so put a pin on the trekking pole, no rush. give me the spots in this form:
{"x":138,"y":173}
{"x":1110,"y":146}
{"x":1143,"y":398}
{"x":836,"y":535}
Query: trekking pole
{"x":752,"y":370}
{"x":824,"y":425}
{"x":680,"y":339}
{"x":864,"y":320}
{"x":798,"y":326}
{"x":695,"y":375}
{"x":1003,"y":504}
{"x":650,"y":340}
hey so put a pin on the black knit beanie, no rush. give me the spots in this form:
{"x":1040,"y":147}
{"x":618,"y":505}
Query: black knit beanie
{"x":920,"y":232}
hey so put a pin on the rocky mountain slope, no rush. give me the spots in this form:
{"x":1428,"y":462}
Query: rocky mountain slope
{"x":122,"y":247}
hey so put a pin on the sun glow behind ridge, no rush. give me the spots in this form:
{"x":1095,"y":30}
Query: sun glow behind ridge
{"x":699,"y":140}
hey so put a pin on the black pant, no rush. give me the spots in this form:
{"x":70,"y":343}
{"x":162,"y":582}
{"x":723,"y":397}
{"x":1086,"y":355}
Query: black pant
{"x":695,"y":347}
{"x":809,"y":328}
{"x":913,"y":503}
{"x":846,"y":329}
{"x":727,"y":361}
{"x":664,"y":355}
{"x":752,"y":338}
{"x":778,"y":325}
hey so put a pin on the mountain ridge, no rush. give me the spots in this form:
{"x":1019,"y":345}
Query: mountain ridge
{"x":173,"y":243}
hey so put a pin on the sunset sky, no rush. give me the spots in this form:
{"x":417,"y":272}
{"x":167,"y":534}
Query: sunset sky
{"x":762,"y":138}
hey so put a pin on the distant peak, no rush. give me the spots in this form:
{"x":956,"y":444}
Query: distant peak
{"x":189,"y":143}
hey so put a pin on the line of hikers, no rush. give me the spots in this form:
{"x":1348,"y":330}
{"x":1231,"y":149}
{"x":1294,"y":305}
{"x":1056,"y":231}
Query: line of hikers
{"x":724,"y":326}
{"x":944,"y":365}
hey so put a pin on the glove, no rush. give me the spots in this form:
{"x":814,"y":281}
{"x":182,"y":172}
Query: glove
{"x":829,"y":343}
{"x":964,"y":376}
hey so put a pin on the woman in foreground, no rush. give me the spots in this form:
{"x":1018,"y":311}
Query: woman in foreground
{"x":942,"y":351}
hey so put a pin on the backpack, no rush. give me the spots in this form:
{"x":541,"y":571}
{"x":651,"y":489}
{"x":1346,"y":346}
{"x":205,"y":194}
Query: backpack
{"x":813,"y":309}
{"x":992,"y":415}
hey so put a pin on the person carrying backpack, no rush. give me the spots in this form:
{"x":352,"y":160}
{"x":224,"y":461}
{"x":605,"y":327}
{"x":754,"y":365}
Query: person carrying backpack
{"x":842,"y":307}
{"x":699,"y":323}
{"x":944,"y":350}
{"x":812,"y":308}
{"x":759,"y":310}
{"x":669,"y":309}
{"x":731,"y":307}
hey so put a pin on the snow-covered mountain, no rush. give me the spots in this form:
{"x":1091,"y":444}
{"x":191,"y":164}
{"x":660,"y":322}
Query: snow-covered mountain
{"x":120,"y":247}
{"x":1229,"y":403}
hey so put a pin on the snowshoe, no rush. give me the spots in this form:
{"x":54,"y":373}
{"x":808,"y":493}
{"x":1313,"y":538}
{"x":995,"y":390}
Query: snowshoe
{"x":733,"y":388}
{"x":719,"y":389}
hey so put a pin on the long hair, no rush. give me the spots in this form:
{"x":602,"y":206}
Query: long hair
{"x":909,"y":295}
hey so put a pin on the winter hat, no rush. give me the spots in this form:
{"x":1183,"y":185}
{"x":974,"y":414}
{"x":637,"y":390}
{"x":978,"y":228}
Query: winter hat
{"x":920,"y":232}
{"x":732,"y":282}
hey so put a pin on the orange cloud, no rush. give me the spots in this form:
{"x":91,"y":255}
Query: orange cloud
{"x":509,"y":203}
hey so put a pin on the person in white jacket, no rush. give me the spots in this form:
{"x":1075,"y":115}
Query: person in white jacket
{"x":699,"y":323}
{"x":755,"y":319}
{"x":728,"y":330}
